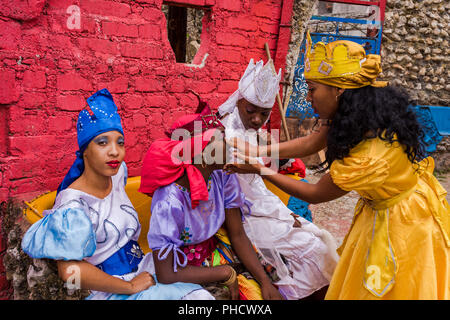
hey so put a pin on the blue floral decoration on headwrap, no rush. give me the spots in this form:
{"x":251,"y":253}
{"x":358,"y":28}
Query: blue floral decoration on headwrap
{"x":103,"y":118}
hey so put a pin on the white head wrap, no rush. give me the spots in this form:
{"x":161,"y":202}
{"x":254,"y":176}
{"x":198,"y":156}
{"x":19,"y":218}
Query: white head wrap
{"x":259,"y":85}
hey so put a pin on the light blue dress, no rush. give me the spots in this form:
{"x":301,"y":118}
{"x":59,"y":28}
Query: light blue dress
{"x":103,"y":232}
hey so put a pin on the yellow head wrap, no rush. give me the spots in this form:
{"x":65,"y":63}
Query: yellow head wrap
{"x":343,"y":64}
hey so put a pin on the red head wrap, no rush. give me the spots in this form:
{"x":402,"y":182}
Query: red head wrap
{"x":164,"y":163}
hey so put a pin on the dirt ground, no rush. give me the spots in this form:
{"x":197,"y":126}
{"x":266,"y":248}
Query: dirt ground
{"x":336,"y":216}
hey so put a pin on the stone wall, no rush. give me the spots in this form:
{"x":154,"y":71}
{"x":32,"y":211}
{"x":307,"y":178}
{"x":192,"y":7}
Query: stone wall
{"x":415,"y":49}
{"x":442,"y":155}
{"x":415,"y":46}
{"x":21,"y":277}
{"x":416,"y":55}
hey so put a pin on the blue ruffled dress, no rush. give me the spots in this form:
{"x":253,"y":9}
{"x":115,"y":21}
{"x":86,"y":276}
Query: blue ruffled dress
{"x":103,"y":232}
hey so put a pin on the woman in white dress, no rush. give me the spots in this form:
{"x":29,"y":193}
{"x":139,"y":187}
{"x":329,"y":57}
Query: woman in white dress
{"x":303,"y":255}
{"x":92,"y":229}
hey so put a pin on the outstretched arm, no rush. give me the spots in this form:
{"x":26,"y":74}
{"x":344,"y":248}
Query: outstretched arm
{"x":300,"y":147}
{"x":92,"y":278}
{"x":247,"y":255}
{"x":295,"y":148}
{"x":324,"y":190}
{"x":193,"y":274}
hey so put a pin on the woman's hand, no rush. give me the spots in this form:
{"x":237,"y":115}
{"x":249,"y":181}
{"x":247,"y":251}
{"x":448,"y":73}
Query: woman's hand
{"x":246,"y":158}
{"x":269,"y":292}
{"x":244,"y":147}
{"x":92,"y":278}
{"x":250,"y":165}
{"x":242,"y":168}
{"x":231,"y":282}
{"x":141,"y":282}
{"x":297,"y":223}
{"x":234,"y":290}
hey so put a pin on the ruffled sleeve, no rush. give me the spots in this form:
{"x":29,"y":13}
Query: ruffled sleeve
{"x":164,"y":232}
{"x":359,"y":173}
{"x":233,"y":195}
{"x":64,"y":234}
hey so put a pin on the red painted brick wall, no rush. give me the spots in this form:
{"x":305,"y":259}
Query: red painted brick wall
{"x":47,"y":70}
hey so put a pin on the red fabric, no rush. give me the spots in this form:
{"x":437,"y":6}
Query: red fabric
{"x":160,"y":168}
{"x":161,"y":165}
{"x":296,"y":167}
{"x":242,"y":296}
{"x":197,"y":253}
{"x":203,"y":116}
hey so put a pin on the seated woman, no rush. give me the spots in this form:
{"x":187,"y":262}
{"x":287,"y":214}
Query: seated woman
{"x":191,"y":201}
{"x":303,"y":254}
{"x":92,"y":230}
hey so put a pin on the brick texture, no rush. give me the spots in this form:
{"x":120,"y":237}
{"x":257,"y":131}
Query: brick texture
{"x":48,"y":68}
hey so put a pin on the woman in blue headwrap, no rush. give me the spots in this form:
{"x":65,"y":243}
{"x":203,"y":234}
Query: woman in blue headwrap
{"x":92,"y":229}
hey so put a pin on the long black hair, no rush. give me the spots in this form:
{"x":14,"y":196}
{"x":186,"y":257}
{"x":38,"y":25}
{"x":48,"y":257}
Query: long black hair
{"x":370,"y":112}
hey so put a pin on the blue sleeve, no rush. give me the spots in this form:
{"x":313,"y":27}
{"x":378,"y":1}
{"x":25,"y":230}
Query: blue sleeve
{"x":64,"y":234}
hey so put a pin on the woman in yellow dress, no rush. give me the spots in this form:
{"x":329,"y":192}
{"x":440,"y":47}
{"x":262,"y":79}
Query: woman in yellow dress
{"x":398,"y":246}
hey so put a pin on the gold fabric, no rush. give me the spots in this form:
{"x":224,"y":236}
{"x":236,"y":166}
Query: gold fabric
{"x":398,"y":246}
{"x":343,"y":64}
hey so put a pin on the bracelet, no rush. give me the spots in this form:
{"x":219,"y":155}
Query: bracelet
{"x":231,"y":279}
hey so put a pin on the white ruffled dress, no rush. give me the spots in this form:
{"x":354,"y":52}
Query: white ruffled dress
{"x":103,"y":232}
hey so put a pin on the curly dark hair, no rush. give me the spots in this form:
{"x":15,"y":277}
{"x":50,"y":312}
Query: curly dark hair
{"x":370,"y":112}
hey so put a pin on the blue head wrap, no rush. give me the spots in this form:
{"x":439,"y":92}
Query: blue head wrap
{"x":104,"y":118}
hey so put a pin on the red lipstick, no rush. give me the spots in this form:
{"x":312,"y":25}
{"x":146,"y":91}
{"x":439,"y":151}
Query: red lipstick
{"x":113,"y":164}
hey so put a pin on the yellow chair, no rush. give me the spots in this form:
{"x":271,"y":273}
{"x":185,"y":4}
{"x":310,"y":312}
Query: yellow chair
{"x":141,"y":202}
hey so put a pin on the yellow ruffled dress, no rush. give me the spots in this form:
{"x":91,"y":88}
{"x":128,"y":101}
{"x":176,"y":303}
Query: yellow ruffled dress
{"x":398,"y":246}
